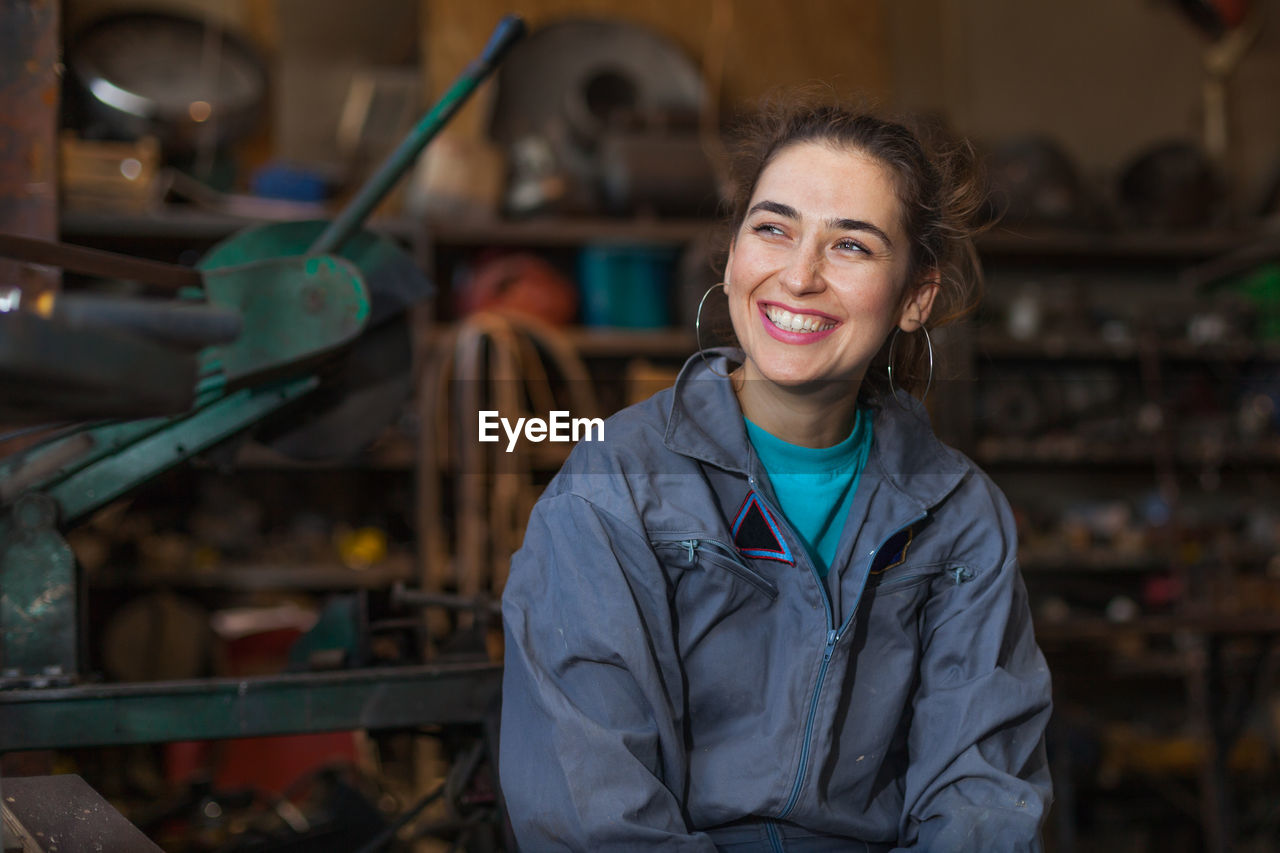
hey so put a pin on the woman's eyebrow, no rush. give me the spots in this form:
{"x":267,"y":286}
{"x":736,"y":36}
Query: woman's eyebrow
{"x":786,"y":210}
{"x":775,"y":207}
{"x":859,"y":225}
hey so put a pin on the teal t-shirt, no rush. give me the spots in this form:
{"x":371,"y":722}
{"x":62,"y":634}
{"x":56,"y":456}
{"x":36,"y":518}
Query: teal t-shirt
{"x":815,"y":485}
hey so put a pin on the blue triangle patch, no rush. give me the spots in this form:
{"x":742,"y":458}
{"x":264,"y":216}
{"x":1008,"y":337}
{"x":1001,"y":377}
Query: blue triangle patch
{"x":756,"y":534}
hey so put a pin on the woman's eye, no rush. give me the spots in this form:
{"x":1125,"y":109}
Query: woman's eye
{"x":767,"y":228}
{"x":850,"y":245}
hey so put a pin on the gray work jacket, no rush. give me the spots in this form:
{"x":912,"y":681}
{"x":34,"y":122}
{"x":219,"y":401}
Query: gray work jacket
{"x":678,"y":677}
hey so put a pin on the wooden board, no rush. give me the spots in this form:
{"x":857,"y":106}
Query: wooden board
{"x":64,"y":813}
{"x":752,"y":46}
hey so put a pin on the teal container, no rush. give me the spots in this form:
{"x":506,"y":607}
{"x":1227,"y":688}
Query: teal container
{"x":626,"y":286}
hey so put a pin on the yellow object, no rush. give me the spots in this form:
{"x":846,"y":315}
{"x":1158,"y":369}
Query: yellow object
{"x":44,"y":303}
{"x":362,"y":547}
{"x":1130,"y":750}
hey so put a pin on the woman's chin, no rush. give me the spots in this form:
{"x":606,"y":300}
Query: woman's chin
{"x":799,"y":379}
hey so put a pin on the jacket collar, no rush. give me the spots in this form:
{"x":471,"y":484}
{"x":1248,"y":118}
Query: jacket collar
{"x":705,"y":423}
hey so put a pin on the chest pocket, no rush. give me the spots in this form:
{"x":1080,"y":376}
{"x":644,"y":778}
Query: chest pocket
{"x":712,"y":555}
{"x":905,"y":577}
{"x":890,"y":571}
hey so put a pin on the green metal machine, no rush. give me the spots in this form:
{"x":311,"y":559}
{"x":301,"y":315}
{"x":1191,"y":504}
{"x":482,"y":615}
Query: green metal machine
{"x":275,"y":307}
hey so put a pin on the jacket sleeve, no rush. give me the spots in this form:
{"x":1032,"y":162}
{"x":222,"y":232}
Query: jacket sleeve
{"x":978,"y":777}
{"x":591,"y":747}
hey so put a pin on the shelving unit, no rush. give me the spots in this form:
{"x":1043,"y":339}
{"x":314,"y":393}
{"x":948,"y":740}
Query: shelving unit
{"x":1175,"y":621}
{"x":1040,"y":246}
{"x":1056,"y":452}
{"x":994,"y":347}
{"x":449,"y":242}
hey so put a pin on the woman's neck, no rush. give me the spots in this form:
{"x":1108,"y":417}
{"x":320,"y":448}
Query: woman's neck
{"x":810,"y":416}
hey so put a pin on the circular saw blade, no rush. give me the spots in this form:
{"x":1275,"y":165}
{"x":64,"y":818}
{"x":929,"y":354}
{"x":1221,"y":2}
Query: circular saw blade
{"x":570,"y":66}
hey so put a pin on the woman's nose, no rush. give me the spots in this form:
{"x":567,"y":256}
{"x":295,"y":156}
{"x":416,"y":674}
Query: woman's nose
{"x":803,"y":273}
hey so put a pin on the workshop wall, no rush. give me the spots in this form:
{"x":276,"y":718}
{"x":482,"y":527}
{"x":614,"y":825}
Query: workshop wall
{"x":320,"y":45}
{"x":745,"y":45}
{"x":1104,"y":79}
{"x":234,"y":14}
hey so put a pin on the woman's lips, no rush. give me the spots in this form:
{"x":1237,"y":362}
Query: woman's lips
{"x":790,"y":337}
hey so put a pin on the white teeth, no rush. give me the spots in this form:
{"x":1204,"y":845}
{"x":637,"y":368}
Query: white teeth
{"x":784,"y":319}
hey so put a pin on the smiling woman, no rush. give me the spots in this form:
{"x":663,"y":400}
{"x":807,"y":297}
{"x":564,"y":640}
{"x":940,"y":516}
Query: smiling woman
{"x":770,"y":611}
{"x":816,"y":280}
{"x":913,"y":185}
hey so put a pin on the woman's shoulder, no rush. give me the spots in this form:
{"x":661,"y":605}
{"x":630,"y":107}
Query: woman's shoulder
{"x":628,"y":447}
{"x":978,"y":514}
{"x":936,"y":473}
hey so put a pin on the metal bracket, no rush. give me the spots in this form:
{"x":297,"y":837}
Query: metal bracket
{"x":38,"y":620}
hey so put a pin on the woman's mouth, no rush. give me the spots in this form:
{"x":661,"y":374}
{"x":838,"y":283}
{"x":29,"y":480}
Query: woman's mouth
{"x":795,"y":328}
{"x":789,"y":322}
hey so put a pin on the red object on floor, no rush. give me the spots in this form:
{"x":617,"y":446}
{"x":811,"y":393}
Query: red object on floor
{"x":269,"y":764}
{"x":274,"y":763}
{"x":184,"y":759}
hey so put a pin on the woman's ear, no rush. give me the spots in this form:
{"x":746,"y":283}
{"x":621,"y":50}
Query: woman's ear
{"x":919,"y":304}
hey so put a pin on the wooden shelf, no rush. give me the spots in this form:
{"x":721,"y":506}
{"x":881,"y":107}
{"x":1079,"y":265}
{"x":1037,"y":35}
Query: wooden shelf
{"x":561,"y":232}
{"x":264,"y":576}
{"x":1082,"y":628}
{"x":1041,"y":561}
{"x":1043,"y":452}
{"x":1003,"y":243}
{"x":1037,"y":244}
{"x":623,"y":343}
{"x":187,"y":223}
{"x":1054,"y":347}
{"x":1104,"y":561}
{"x":613,"y":342}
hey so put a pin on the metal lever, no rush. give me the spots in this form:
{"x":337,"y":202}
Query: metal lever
{"x":96,"y":262}
{"x":189,"y":325}
{"x":352,"y":217}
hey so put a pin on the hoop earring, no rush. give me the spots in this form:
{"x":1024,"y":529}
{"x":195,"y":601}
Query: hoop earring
{"x":892,"y":343}
{"x":697,"y":329}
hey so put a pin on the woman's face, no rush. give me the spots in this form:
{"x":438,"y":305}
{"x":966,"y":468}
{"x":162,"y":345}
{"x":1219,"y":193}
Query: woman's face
{"x":817,"y":270}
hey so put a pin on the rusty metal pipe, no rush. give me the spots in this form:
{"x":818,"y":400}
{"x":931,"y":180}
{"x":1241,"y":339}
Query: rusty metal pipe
{"x":96,"y":262}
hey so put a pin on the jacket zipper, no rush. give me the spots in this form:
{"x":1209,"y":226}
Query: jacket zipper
{"x":960,"y":574}
{"x":833,"y":636}
{"x":694,"y":544}
{"x":775,"y":840}
{"x":731,"y":561}
{"x":906,"y":581}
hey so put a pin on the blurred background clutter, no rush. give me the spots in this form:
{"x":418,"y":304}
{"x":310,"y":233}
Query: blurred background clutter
{"x":272,"y":624}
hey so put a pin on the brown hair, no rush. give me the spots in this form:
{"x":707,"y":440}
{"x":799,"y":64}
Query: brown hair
{"x":939,"y":187}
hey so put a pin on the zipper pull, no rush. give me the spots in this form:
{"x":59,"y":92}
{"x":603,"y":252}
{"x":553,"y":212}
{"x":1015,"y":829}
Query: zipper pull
{"x":831,"y":645}
{"x":692,"y":545}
